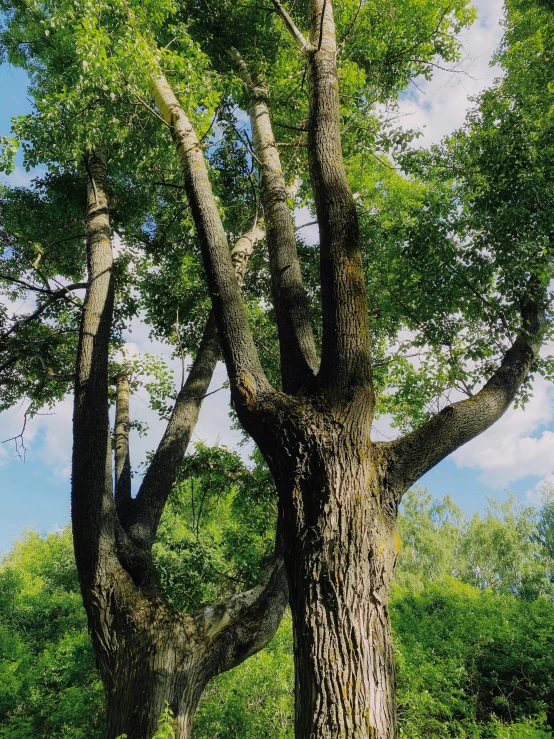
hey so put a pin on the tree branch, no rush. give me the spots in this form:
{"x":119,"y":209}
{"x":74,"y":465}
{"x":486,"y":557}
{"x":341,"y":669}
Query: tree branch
{"x":245,"y":372}
{"x":290,"y":25}
{"x":410,"y":457}
{"x":52,"y":297}
{"x":28,"y":285}
{"x":245,"y":623}
{"x":121,"y":439}
{"x":298,"y":355}
{"x":92,"y":505}
{"x":345,"y":361}
{"x":141,"y":519}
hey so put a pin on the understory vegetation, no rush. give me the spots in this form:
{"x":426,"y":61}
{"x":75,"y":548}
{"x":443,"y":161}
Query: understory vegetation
{"x":472,"y":614}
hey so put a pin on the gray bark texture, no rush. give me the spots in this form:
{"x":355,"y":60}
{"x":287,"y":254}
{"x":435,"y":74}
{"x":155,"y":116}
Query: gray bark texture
{"x":147,"y":652}
{"x":338,"y":491}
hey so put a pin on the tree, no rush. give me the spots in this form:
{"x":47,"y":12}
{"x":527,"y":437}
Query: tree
{"x":469,"y":280}
{"x":338,"y":491}
{"x":148,"y":652}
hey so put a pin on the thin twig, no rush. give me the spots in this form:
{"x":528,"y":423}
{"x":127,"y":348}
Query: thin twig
{"x":351,"y":26}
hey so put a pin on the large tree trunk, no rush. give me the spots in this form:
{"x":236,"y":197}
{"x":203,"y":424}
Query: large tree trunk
{"x":147,"y":652}
{"x":341,"y":547}
{"x":340,"y":572}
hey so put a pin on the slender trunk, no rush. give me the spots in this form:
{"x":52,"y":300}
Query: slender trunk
{"x":121,"y":439}
{"x":341,"y":546}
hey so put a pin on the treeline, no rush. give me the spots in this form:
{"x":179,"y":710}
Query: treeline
{"x":472,"y":614}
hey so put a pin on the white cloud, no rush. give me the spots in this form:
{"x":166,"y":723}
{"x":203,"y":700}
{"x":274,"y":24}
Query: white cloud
{"x":21,"y":178}
{"x":439,"y":106}
{"x":517,"y":446}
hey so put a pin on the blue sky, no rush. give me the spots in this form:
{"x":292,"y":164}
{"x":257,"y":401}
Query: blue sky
{"x":516,"y":453}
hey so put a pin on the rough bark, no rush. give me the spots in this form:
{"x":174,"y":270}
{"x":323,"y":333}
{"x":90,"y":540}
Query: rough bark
{"x":121,"y":442}
{"x":345,"y":360}
{"x":340,"y":549}
{"x":91,"y":485}
{"x":156,"y":654}
{"x":243,"y":364}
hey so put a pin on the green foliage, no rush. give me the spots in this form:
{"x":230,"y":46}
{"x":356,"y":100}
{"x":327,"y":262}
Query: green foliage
{"x":166,"y":724}
{"x":508,"y":550}
{"x":468,"y":657}
{"x":473,"y":662}
{"x":255,"y":700}
{"x":217,"y":532}
{"x":49,"y":688}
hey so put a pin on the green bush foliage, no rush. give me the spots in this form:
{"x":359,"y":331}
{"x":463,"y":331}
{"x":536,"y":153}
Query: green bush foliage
{"x":475,"y":651}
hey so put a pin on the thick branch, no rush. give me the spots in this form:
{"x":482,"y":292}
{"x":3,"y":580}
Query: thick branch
{"x":412,"y":456}
{"x":141,"y":519}
{"x":92,"y":507}
{"x":290,"y":25}
{"x":122,"y":456}
{"x":243,"y":364}
{"x":245,"y":623}
{"x":345,"y":361}
{"x":298,"y":353}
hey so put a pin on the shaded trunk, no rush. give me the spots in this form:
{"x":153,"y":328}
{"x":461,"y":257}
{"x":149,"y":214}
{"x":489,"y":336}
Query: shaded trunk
{"x":148,"y":653}
{"x":341,"y":546}
{"x":157,"y":660}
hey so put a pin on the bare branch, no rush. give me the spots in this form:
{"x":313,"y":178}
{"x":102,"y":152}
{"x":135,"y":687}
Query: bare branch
{"x":28,"y":285}
{"x":297,"y":35}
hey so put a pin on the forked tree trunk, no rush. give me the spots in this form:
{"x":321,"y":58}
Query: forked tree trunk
{"x":147,"y":652}
{"x":341,"y":547}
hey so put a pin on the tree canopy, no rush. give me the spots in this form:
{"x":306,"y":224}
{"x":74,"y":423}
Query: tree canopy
{"x":189,"y":133}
